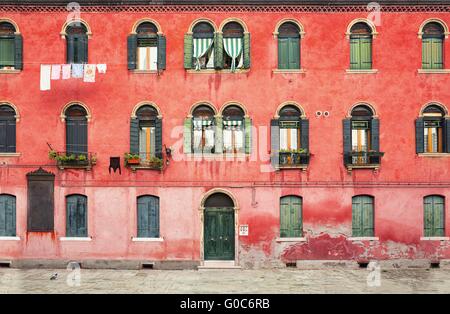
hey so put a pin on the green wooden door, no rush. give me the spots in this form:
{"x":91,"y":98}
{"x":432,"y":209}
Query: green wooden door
{"x":219,"y":233}
{"x":434,"y":216}
{"x":362,"y":216}
{"x":290,"y":217}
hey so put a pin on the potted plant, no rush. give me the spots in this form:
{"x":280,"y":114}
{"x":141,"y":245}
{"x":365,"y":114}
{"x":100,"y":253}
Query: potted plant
{"x":156,"y":163}
{"x":52,"y":155}
{"x":132,"y":159}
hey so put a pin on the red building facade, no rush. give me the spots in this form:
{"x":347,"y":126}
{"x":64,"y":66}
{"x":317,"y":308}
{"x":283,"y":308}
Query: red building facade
{"x":322,"y":190}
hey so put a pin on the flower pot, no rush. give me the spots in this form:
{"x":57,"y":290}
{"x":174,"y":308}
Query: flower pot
{"x":134,"y":161}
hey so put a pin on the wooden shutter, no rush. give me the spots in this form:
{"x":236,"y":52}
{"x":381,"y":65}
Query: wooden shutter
{"x":18,"y":58}
{"x":7,"y":216}
{"x":8,"y":135}
{"x":426,"y":53}
{"x":419,"y":136}
{"x":375,"y":135}
{"x":246,"y":51}
{"x":161,"y":52}
{"x":134,"y":136}
{"x":148,"y":217}
{"x":447,"y":135}
{"x":41,"y":195}
{"x":357,"y":205}
{"x":187,"y":136}
{"x":188,"y":51}
{"x":437,"y":61}
{"x":284,"y":217}
{"x":76,"y":216}
{"x":76,"y":136}
{"x":218,"y":51}
{"x":355,"y":57}
{"x":434,"y":207}
{"x":294,"y":53}
{"x":366,"y":53}
{"x":304,"y":134}
{"x":248,"y":135}
{"x":367,"y":216}
{"x":283,"y":56}
{"x":347,"y":138}
{"x":158,"y":138}
{"x":3,"y":136}
{"x":83,"y":48}
{"x":131,"y":51}
{"x":70,"y":49}
{"x":274,"y":143}
{"x":218,"y":134}
{"x":290,"y":216}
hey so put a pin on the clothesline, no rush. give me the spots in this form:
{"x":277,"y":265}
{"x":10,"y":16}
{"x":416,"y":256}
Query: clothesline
{"x":54,"y":72}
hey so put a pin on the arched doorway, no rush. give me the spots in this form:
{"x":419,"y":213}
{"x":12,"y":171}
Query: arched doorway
{"x":219,"y":228}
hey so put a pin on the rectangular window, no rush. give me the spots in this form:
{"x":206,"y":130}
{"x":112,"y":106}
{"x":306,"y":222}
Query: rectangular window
{"x":7,"y":52}
{"x":147,"y":140}
{"x":363,"y":216}
{"x":433,"y":142}
{"x":233,"y":137}
{"x":291,"y":217}
{"x":434,"y":222}
{"x":203,"y":136}
{"x":147,"y":54}
{"x":360,"y":140}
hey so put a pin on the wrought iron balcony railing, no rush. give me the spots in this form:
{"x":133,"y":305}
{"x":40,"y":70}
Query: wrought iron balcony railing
{"x":293,"y":159}
{"x":370,"y":158}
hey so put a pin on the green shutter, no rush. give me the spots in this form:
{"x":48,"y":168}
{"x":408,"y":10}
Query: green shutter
{"x":362,"y":216}
{"x":82,"y":49}
{"x":375,"y":135}
{"x":304,"y":134}
{"x":437,"y":53}
{"x":246,"y":51}
{"x":70,"y":49}
{"x":294,"y":54}
{"x":161,"y":52}
{"x":291,"y":217}
{"x":148,"y":217}
{"x":7,"y":216}
{"x":18,"y":58}
{"x":188,"y":51}
{"x":134,"y":136}
{"x":274,"y":143}
{"x":434,"y":224}
{"x":426,"y":53}
{"x":7,"y":52}
{"x":420,"y":136}
{"x":355,"y":57}
{"x":248,"y":135}
{"x":428,"y":216}
{"x":366,"y":53}
{"x":218,"y":50}
{"x":218,"y":149}
{"x":76,"y":216}
{"x":283,"y":53}
{"x":187,"y":136}
{"x":347,"y":139}
{"x":158,"y":138}
{"x":131,"y":52}
{"x":368,"y":217}
{"x":447,"y":135}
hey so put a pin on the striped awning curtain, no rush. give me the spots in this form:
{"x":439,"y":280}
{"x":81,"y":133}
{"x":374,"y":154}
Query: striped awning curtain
{"x":233,"y":48}
{"x":232,"y":123}
{"x":201,"y":46}
{"x":199,"y":124}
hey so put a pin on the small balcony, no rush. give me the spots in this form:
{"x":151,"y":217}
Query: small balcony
{"x":136,"y":162}
{"x":363,"y":160}
{"x":293,"y":159}
{"x":66,"y":160}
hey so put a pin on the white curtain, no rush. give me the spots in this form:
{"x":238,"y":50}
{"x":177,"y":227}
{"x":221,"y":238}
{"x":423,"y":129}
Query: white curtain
{"x":285,"y":142}
{"x":147,"y":58}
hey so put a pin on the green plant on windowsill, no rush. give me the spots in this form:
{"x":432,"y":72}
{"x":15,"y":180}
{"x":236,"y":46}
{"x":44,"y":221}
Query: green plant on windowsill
{"x":132,"y":159}
{"x":155,"y":163}
{"x":294,"y":151}
{"x":52,"y":155}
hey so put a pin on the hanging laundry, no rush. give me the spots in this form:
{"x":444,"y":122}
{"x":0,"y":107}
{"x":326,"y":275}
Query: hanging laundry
{"x":66,"y":69}
{"x":77,"y":70}
{"x":101,"y":68}
{"x":56,"y":71}
{"x":45,"y":77}
{"x":89,"y":73}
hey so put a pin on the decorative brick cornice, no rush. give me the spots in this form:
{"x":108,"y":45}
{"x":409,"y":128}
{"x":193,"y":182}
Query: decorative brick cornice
{"x":225,"y":8}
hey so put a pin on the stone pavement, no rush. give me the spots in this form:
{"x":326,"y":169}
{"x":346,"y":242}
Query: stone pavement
{"x":225,"y":281}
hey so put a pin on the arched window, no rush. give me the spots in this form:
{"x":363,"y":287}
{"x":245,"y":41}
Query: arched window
{"x":288,"y":46}
{"x":233,"y":46}
{"x":233,"y":129}
{"x":76,"y":130}
{"x":203,"y":46}
{"x":7,"y":215}
{"x":76,"y":216}
{"x":434,"y":216}
{"x":291,"y":224}
{"x":147,"y":48}
{"x":361,"y":137}
{"x":7,"y":129}
{"x":203,"y":122}
{"x":363,"y":216}
{"x":146,"y":134}
{"x":148,"y":216}
{"x":11,"y":46}
{"x":290,"y":138}
{"x":77,"y":43}
{"x":432,"y":129}
{"x":360,"y":47}
{"x":433,"y":46}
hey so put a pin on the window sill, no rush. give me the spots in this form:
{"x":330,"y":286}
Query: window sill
{"x":433,"y":71}
{"x":352,"y":167}
{"x":288,"y":71}
{"x":293,"y":167}
{"x":75,"y":239}
{"x":12,"y":71}
{"x":10,"y":154}
{"x":434,"y":238}
{"x":368,"y":71}
{"x":363,"y":239}
{"x":9,"y":238}
{"x":301,"y":239}
{"x":147,"y":239}
{"x":434,"y":155}
{"x":144,"y":71}
{"x":134,"y":168}
{"x":213,"y":71}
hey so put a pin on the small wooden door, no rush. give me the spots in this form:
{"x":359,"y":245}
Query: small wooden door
{"x":219,"y":233}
